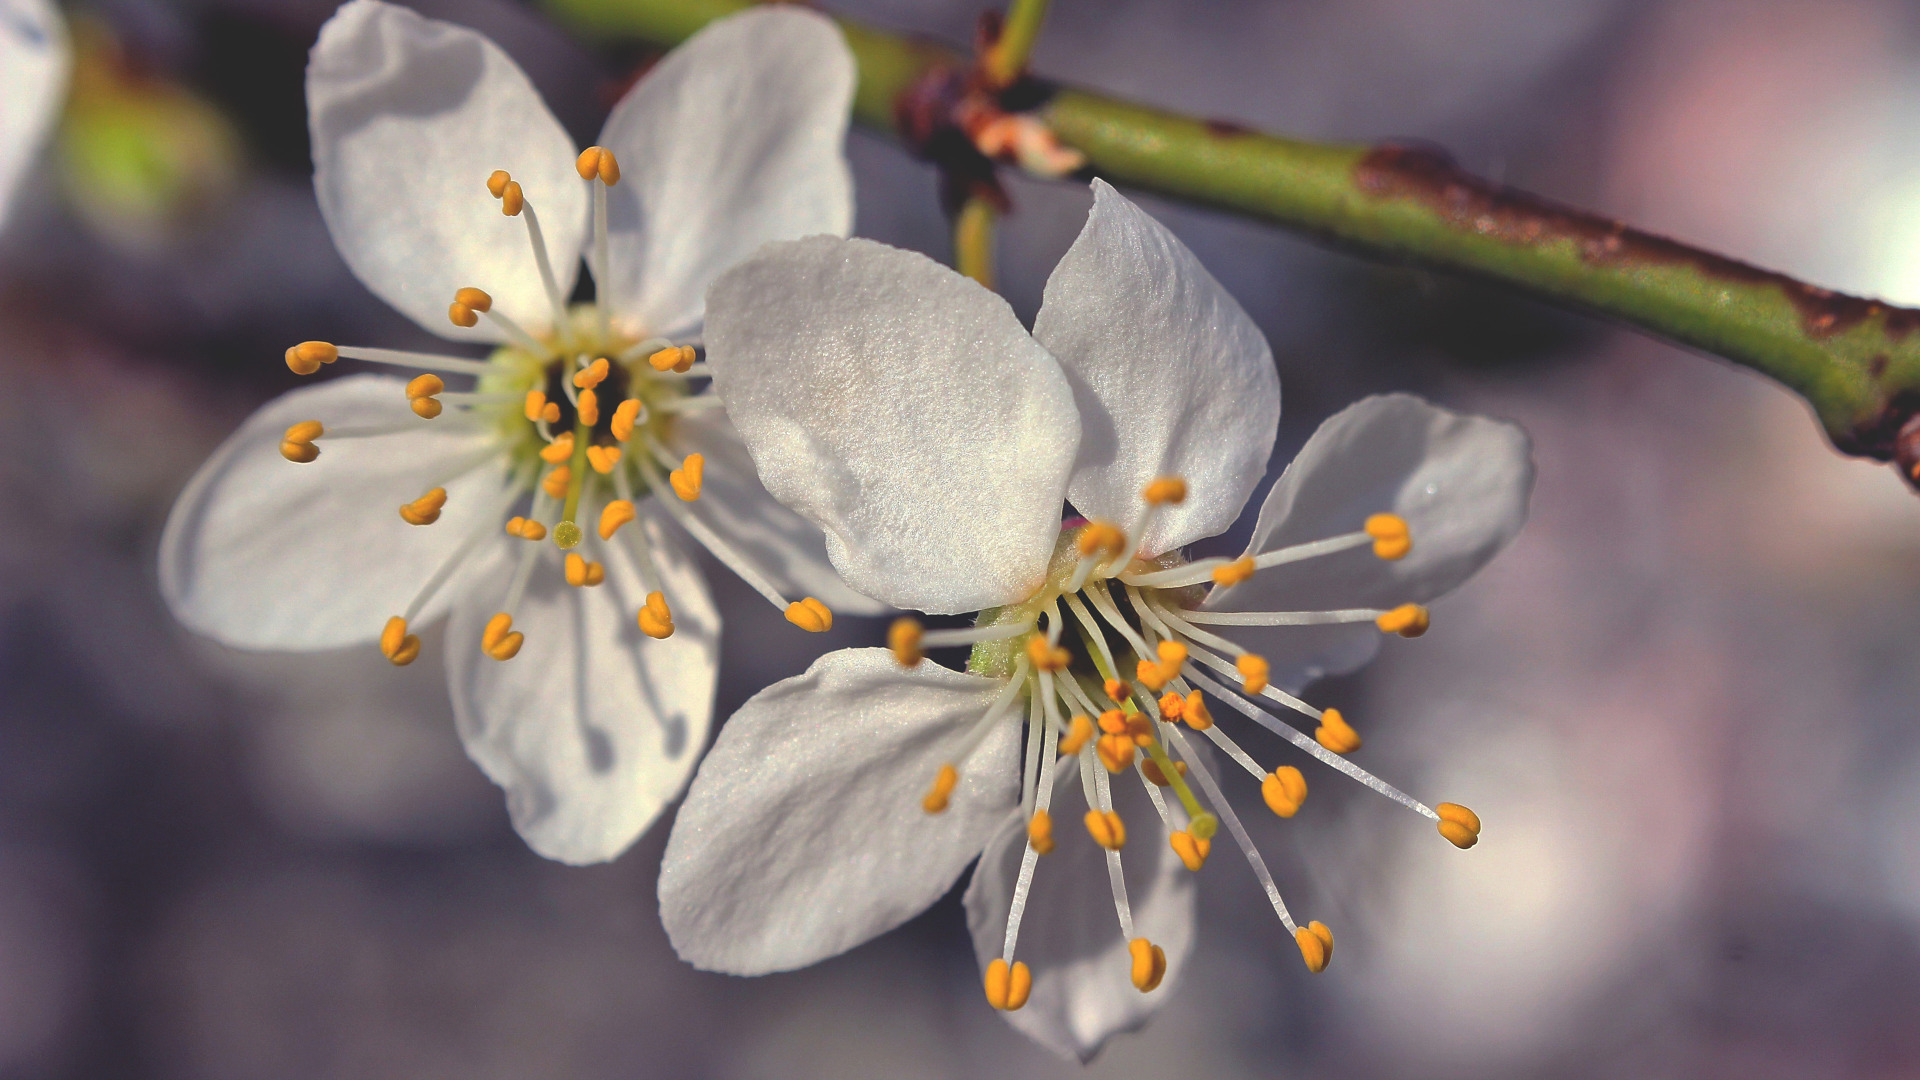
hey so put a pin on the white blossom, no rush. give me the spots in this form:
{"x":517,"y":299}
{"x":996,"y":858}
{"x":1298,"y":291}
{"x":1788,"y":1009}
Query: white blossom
{"x":34,"y":60}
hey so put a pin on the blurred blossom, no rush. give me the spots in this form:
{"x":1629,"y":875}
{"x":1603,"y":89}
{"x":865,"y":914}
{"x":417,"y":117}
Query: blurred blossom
{"x":33,"y":78}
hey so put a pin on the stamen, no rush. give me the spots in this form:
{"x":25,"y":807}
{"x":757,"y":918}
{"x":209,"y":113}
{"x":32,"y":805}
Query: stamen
{"x":942,"y":790}
{"x":1008,"y":988}
{"x":1154,"y":676}
{"x":810,"y":615}
{"x":1151,"y":770}
{"x":1391,"y":538}
{"x":526,"y":528}
{"x":455,"y":365}
{"x":1115,"y":749}
{"x":582,"y":574}
{"x":656,"y":619}
{"x":696,"y":403}
{"x":1316,"y":945}
{"x":475,"y":537}
{"x":306,"y":357}
{"x":1407,"y":620}
{"x":559,"y":450}
{"x":1192,"y":850}
{"x":1098,"y":542}
{"x":499,"y":640}
{"x":556,"y":481}
{"x":424,"y":510}
{"x":397,"y":645}
{"x":672,"y":358}
{"x":685,"y":480}
{"x":699,"y":530}
{"x":1165,"y":491}
{"x":1233,"y":573}
{"x":1202,"y":570}
{"x":1458,"y":824}
{"x":1206,"y":617}
{"x":592,"y":375}
{"x":1040,"y":832}
{"x":1043,"y":797}
{"x":297,"y":444}
{"x":1284,"y":789}
{"x":603,"y":458}
{"x":617,"y":513}
{"x":625,"y":415}
{"x":597,"y":162}
{"x":1079,"y":731}
{"x":1239,"y":831}
{"x":1336,"y":734}
{"x":904,"y":637}
{"x":587,"y":404}
{"x":1047,"y":657}
{"x":1107,"y":829}
{"x":470,"y":303}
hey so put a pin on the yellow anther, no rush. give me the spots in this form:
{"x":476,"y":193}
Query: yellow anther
{"x":598,"y":161}
{"x":582,"y":574}
{"x":1046,"y":656}
{"x":1336,"y":734}
{"x":1155,"y":676}
{"x":1113,"y":722}
{"x":656,"y":619}
{"x":513,"y":200}
{"x":536,"y":406}
{"x":603,"y":458}
{"x":903,"y":637}
{"x":473,"y":298}
{"x":306,"y":357}
{"x":1458,"y":824}
{"x":1172,"y":707}
{"x":1316,"y":945}
{"x":673,"y":358}
{"x":297,"y":444}
{"x":461,"y":315}
{"x":685,"y":480}
{"x":1140,"y":729}
{"x":526,"y":528}
{"x":559,"y":450}
{"x":551,"y":414}
{"x":1254,"y":670}
{"x":1391,"y":538}
{"x":425,"y":386}
{"x":1284,"y":789}
{"x":1191,"y":849}
{"x":592,"y":375}
{"x":941,"y":791}
{"x":1040,"y":832}
{"x":556,"y":481}
{"x":1101,"y":538}
{"x":1117,"y":690}
{"x":1196,"y":714}
{"x":1166,"y":491}
{"x":1008,"y":988}
{"x":1151,"y":769}
{"x":397,"y":645}
{"x":424,"y":510}
{"x":500,"y":640}
{"x":1407,"y":620}
{"x":1079,"y":730}
{"x":1107,"y":829}
{"x":1115,"y":752}
{"x":617,"y":513}
{"x":625,"y":415}
{"x":1147,"y":674}
{"x":1149,"y":964}
{"x":1233,"y":573}
{"x":497,"y":182}
{"x":588,"y":408}
{"x":1172,"y":655}
{"x":810,"y":615}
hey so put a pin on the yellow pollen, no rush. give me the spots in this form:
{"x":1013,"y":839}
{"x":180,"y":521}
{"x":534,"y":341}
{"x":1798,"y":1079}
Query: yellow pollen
{"x":617,"y":513}
{"x":656,"y":619}
{"x":941,"y":791}
{"x":513,"y":200}
{"x":526,"y":528}
{"x":592,"y":375}
{"x":497,"y":182}
{"x":1107,"y":829}
{"x":1458,"y":824}
{"x":1047,"y":657}
{"x":1140,"y":729}
{"x":810,"y":615}
{"x":598,"y":161}
{"x":1336,"y":734}
{"x":1040,"y":832}
{"x":624,"y":416}
{"x":1391,"y":538}
{"x":1166,"y":491}
{"x":1191,"y":849}
{"x":588,"y":408}
{"x":424,"y":510}
{"x":1316,"y":945}
{"x":297,"y":444}
{"x":1007,"y":988}
{"x":1155,"y":676}
{"x":500,"y":640}
{"x":1196,"y":714}
{"x":1255,"y":670}
{"x":1113,"y":722}
{"x":1284,"y":789}
{"x":672,"y":358}
{"x":903,"y":637}
{"x":551,"y":414}
{"x":1234,"y":572}
{"x":556,"y":481}
{"x":420,"y":395}
{"x":537,"y":406}
{"x":1101,"y":538}
{"x":461,"y":315}
{"x":397,"y":645}
{"x":1151,"y":769}
{"x":559,"y":450}
{"x":306,"y":357}
{"x":1079,"y":730}
{"x":1115,"y":752}
{"x":1117,"y":690}
{"x":1407,"y":620}
{"x":1149,"y":964}
{"x":425,"y":408}
{"x":685,"y":480}
{"x":603,"y":458}
{"x":473,"y":298}
{"x":582,"y":574}
{"x":1172,"y":707}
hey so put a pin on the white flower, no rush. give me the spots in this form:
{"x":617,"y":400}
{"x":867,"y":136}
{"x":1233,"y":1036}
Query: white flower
{"x":34,"y":57}
{"x":582,"y":673}
{"x":905,"y":410}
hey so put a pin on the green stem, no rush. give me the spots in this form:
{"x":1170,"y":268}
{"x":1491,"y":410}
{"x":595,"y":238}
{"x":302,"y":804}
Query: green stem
{"x":973,"y":240}
{"x":1007,"y":59}
{"x":1857,"y":362}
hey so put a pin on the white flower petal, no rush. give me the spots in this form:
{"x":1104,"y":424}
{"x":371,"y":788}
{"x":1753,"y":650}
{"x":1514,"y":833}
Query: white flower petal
{"x":787,"y":548}
{"x":1461,"y":482}
{"x":33,"y":78}
{"x":261,"y":553}
{"x":409,"y":118}
{"x":734,"y":139}
{"x":1082,"y":991}
{"x":594,"y":727}
{"x":904,"y":410}
{"x":803,"y":834}
{"x":1171,"y":376}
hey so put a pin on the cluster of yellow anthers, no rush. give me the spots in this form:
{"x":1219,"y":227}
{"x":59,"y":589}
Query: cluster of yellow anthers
{"x":1176,"y":658}
{"x":584,"y":355}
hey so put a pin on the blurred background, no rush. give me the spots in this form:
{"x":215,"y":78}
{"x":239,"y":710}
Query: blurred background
{"x":1684,"y":702}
